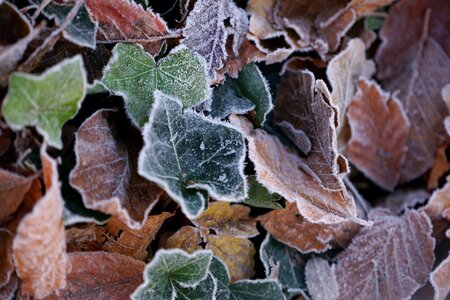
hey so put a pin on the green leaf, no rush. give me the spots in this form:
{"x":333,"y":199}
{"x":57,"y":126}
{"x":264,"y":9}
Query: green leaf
{"x":259,"y":196}
{"x":47,"y":100}
{"x":204,"y":290}
{"x":187,"y":152}
{"x":171,"y":269}
{"x":133,"y":74}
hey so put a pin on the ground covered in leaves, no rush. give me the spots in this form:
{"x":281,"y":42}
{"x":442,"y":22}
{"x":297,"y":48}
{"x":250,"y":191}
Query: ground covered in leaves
{"x":224,"y":149}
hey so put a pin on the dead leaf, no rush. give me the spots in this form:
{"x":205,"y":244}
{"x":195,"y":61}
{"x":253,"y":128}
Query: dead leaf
{"x":446,"y":96}
{"x":289,"y":227}
{"x":187,"y":238}
{"x":321,"y":279}
{"x":379,"y":132}
{"x":366,"y":7}
{"x":124,"y":21}
{"x":8,"y":292}
{"x":389,"y":260}
{"x":403,"y":198}
{"x":440,"y":280}
{"x":12,"y":190}
{"x":39,"y":247}
{"x":440,"y":167}
{"x":101,"y":276}
{"x":413,"y":59}
{"x":438,"y":207}
{"x":106,"y":170}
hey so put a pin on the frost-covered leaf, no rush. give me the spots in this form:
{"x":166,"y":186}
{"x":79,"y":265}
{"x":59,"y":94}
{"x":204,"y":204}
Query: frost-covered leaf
{"x":39,"y":246}
{"x":8,"y":291}
{"x":47,"y":100}
{"x":227,"y":99}
{"x":171,"y":269}
{"x":12,"y":189}
{"x":206,"y":33}
{"x":259,"y":196}
{"x":187,"y":238}
{"x":124,"y":21}
{"x":389,"y":260}
{"x":106,"y":170}
{"x":187,"y":152}
{"x":413,"y":60}
{"x":321,"y":279}
{"x":134,"y":74}
{"x":446,"y":96}
{"x":438,"y":207}
{"x":379,"y":132}
{"x":402,"y":199}
{"x":343,"y":72}
{"x":440,"y":280}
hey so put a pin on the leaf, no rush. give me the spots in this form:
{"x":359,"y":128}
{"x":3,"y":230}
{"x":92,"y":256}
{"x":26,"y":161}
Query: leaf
{"x":187,"y":152}
{"x":47,"y":100}
{"x":343,"y":72}
{"x":206,"y":33}
{"x":101,"y":275}
{"x":446,"y":96}
{"x":402,"y":199}
{"x":108,"y":180}
{"x":440,"y":280}
{"x":321,"y":279}
{"x":289,"y":227}
{"x":438,"y":206}
{"x":281,"y":171}
{"x":124,"y":21}
{"x":187,"y":238}
{"x":134,"y":75}
{"x":389,"y":260}
{"x":283,"y":263}
{"x":39,"y":247}
{"x":170,"y":269}
{"x":12,"y":190}
{"x":412,"y":52}
{"x":259,"y":196}
{"x":379,"y":132}
{"x":440,"y":167}
{"x":8,"y":292}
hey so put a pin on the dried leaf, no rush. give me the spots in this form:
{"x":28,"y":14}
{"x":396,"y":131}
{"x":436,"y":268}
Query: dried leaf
{"x":389,"y":260}
{"x":8,"y":292}
{"x":108,"y":179}
{"x":440,"y":167}
{"x":206,"y":33}
{"x":366,"y":7}
{"x":101,"y":275}
{"x":12,"y":189}
{"x":413,"y":51}
{"x":343,"y":72}
{"x":47,"y":100}
{"x":188,"y":153}
{"x":133,"y":74}
{"x":39,"y":245}
{"x":438,"y":206}
{"x":402,"y":199}
{"x":321,"y":279}
{"x":446,"y":96}
{"x":187,"y":238}
{"x":440,"y":280}
{"x":379,"y":132}
{"x":124,"y":21}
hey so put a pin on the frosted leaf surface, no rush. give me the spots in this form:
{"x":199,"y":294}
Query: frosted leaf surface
{"x":321,"y":279}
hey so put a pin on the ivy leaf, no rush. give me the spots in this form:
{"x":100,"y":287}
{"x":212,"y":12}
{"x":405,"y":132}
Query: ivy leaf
{"x":227,"y":100}
{"x":187,"y":152}
{"x":133,"y":74}
{"x":47,"y":100}
{"x":171,"y":269}
{"x":259,"y":196}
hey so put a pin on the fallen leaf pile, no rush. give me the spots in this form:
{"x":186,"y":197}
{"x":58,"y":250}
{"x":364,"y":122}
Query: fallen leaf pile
{"x":225,"y":149}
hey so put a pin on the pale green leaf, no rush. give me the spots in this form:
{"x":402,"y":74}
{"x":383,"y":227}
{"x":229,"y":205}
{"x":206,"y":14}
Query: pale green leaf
{"x":47,"y":100}
{"x":259,"y":196}
{"x":133,"y":74}
{"x":185,"y":152}
{"x":227,"y":99}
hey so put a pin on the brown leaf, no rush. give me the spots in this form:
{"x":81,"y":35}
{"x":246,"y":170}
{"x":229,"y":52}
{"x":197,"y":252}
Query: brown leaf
{"x":106,"y":170}
{"x":8,"y":291}
{"x":440,"y":280}
{"x":187,"y":238}
{"x":366,"y":7}
{"x":389,"y":260}
{"x":379,"y":132}
{"x":281,"y":171}
{"x":402,"y":199}
{"x":446,"y":96}
{"x":321,"y":279}
{"x":39,"y":247}
{"x":127,"y":22}
{"x":438,"y":207}
{"x":440,"y":167}
{"x":12,"y":190}
{"x":289,"y":227}
{"x":101,"y":276}
{"x":414,"y":60}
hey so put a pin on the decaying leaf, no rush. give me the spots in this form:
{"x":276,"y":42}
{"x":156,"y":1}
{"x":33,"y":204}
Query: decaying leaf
{"x":39,"y":247}
{"x":186,"y":153}
{"x":187,"y":238}
{"x":440,"y":280}
{"x":47,"y":100}
{"x":133,"y":74}
{"x":379,"y":133}
{"x":389,"y":260}
{"x":343,"y":72}
{"x":124,"y":21}
{"x":106,"y":170}
{"x":289,"y":227}
{"x":206,"y":33}
{"x":101,"y":275}
{"x":12,"y":189}
{"x":321,"y":279}
{"x":438,"y":207}
{"x":414,"y":60}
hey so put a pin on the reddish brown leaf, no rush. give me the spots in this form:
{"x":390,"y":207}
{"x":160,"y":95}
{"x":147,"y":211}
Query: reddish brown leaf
{"x":127,"y":22}
{"x":106,"y":170}
{"x":101,"y":276}
{"x":12,"y":189}
{"x":389,"y":260}
{"x":379,"y":132}
{"x":440,"y":280}
{"x":39,"y":247}
{"x":438,"y":207}
{"x":440,"y":167}
{"x":414,"y":60}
